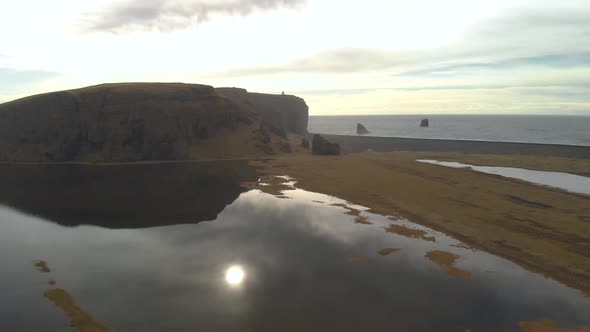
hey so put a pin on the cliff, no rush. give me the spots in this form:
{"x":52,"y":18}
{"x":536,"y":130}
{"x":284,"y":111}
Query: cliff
{"x":281,"y":111}
{"x":139,"y":121}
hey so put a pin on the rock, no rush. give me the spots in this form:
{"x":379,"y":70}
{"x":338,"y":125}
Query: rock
{"x":305,"y":143}
{"x":139,"y":121}
{"x":281,"y":111}
{"x":320,"y":146}
{"x":361,"y":130}
{"x":424,"y":123}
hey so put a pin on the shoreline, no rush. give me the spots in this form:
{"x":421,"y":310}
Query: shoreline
{"x":354,"y":144}
{"x":544,"y":230}
{"x":455,"y":139}
{"x":131,"y":163}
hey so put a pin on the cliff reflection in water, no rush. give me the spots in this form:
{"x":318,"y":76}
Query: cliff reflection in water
{"x":293,"y":260}
{"x":134,"y":196}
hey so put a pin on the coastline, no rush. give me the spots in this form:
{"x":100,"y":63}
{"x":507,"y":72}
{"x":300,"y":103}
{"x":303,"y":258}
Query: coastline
{"x":354,"y":144}
{"x":472,"y":207}
{"x":544,"y":230}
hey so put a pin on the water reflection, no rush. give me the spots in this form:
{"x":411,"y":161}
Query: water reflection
{"x":297,"y":257}
{"x":124,"y":196}
{"x":569,"y":182}
{"x":234,"y":276}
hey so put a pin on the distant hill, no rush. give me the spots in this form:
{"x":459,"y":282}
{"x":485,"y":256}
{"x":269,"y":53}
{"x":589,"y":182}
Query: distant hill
{"x":148,"y":121}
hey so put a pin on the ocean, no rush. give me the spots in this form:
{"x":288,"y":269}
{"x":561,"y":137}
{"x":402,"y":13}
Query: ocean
{"x":568,"y":130}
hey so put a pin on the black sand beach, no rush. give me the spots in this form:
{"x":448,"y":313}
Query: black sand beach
{"x":352,"y":144}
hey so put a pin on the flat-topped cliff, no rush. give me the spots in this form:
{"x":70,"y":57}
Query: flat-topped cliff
{"x":283,"y":111}
{"x":143,"y":121}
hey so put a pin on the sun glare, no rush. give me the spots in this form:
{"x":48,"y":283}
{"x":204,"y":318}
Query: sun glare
{"x":234,"y":276}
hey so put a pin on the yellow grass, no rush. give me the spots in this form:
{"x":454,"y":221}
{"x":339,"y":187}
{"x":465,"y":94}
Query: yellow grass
{"x":477,"y":209}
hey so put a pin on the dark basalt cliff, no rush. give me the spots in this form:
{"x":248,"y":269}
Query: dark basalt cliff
{"x":141,"y":121}
{"x":281,"y":111}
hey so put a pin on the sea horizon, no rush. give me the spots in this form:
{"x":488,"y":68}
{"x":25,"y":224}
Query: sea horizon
{"x":452,"y":114}
{"x":537,"y":129}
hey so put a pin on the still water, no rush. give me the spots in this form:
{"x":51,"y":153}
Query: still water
{"x":245,"y":260}
{"x":569,"y":182}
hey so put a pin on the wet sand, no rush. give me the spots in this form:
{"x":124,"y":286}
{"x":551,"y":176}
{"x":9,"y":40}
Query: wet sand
{"x":542,"y":229}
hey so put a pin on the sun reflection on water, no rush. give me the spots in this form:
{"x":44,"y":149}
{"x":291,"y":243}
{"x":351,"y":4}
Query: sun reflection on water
{"x":235,"y":275}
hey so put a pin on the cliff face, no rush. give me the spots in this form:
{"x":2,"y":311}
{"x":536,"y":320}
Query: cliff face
{"x":130,"y":122}
{"x":281,"y":111}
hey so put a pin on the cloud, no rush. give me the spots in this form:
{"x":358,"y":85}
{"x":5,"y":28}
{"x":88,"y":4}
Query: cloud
{"x":167,"y":15}
{"x":453,"y":100}
{"x":549,"y":28}
{"x":546,"y":61}
{"x":14,"y":78}
{"x":573,"y":14}
{"x":535,"y":35}
{"x":443,"y":63}
{"x":344,"y":60}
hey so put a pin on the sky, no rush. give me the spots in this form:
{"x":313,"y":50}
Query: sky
{"x":344,"y":57}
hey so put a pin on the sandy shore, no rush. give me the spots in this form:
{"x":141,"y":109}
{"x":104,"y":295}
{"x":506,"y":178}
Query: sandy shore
{"x":352,"y":144}
{"x":542,"y":229}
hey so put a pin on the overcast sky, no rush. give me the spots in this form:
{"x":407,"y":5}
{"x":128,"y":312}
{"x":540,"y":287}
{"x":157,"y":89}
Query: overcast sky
{"x":342,"y":56}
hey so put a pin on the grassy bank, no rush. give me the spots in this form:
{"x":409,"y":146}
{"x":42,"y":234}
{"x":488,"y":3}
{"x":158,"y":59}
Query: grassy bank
{"x":542,"y":229}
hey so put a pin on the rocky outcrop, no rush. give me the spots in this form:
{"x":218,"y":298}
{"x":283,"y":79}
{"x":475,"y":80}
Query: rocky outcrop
{"x":424,"y":123}
{"x":361,"y":130}
{"x":281,"y":111}
{"x":133,"y":121}
{"x":320,"y":146}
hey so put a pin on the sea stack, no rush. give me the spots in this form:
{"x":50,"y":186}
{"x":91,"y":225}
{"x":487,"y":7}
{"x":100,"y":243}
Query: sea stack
{"x":361,"y":130}
{"x":424,"y":123}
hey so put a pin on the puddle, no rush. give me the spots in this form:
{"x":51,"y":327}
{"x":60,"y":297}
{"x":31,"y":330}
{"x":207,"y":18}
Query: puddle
{"x":569,"y":182}
{"x":264,"y":263}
